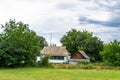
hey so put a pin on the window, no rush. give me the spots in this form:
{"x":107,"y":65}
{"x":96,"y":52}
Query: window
{"x":57,"y":57}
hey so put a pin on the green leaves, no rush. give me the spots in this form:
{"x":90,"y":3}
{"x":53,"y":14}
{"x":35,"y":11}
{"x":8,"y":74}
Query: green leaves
{"x":18,"y":45}
{"x":82,"y":40}
{"x":111,"y":53}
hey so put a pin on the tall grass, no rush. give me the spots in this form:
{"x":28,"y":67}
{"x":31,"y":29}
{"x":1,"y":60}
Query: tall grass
{"x":97,"y":66}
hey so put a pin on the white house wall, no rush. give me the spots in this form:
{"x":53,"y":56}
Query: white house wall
{"x":59,"y":61}
{"x":54,"y":60}
{"x":38,"y":58}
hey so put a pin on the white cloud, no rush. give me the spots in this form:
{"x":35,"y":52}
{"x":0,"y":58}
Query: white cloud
{"x":59,"y":16}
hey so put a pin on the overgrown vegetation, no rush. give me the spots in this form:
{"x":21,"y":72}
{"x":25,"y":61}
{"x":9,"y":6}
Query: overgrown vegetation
{"x":97,"y":66}
{"x":44,"y":62}
{"x":111,"y":53}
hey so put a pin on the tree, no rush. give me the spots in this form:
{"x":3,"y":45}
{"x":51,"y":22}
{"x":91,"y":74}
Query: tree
{"x":43,"y":42}
{"x":83,"y":40}
{"x":18,"y":45}
{"x":111,"y":53}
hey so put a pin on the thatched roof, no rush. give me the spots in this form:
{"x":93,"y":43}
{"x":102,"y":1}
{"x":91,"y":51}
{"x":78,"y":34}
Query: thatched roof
{"x":84,"y":54}
{"x":55,"y":51}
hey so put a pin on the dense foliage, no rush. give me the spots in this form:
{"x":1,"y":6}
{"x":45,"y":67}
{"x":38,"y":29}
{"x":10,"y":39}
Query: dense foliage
{"x":83,"y":40}
{"x":44,"y":61}
{"x":19,"y":45}
{"x":111,"y":53}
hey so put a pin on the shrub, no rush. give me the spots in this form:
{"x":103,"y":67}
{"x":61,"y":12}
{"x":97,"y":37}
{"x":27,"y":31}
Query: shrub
{"x":111,"y":53}
{"x":44,"y":62}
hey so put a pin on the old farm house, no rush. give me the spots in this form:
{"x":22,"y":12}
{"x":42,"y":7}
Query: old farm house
{"x":58,"y":54}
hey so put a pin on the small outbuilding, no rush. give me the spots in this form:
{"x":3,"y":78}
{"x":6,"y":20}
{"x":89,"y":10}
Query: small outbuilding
{"x":79,"y":56}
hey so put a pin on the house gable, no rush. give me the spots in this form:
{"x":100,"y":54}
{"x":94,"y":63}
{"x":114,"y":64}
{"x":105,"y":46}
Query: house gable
{"x":77,"y":55}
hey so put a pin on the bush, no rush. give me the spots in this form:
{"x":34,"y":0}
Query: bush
{"x":111,"y":53}
{"x":44,"y":62}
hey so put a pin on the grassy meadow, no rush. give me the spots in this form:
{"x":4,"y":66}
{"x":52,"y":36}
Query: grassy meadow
{"x":58,"y":74}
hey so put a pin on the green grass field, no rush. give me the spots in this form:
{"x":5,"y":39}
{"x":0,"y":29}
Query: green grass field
{"x":58,"y":74}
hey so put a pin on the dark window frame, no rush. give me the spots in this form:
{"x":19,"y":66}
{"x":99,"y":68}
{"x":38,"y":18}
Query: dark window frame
{"x":57,"y":57}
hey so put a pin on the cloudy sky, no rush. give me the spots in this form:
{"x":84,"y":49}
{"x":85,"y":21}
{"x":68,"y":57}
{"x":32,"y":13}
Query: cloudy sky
{"x":102,"y":17}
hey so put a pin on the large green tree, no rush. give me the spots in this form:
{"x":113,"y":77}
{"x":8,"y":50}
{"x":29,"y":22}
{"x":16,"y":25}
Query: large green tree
{"x":111,"y":53}
{"x":18,"y":44}
{"x":83,"y":40}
